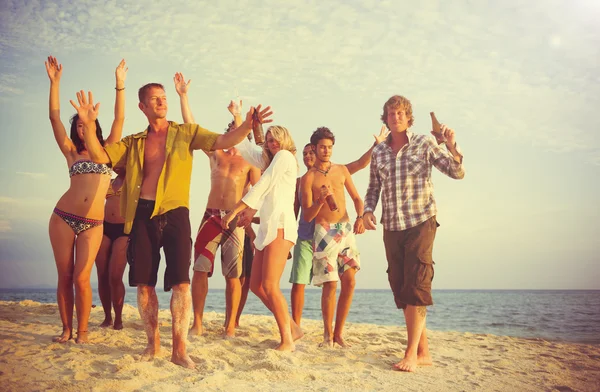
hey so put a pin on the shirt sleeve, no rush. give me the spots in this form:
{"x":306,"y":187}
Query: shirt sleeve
{"x":202,"y":139}
{"x":444,"y":161}
{"x":117,"y":152}
{"x":252,"y":153}
{"x":374,"y":188}
{"x":282,"y":162}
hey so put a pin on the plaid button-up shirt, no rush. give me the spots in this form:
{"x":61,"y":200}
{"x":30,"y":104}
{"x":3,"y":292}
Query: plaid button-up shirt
{"x":404,"y":180}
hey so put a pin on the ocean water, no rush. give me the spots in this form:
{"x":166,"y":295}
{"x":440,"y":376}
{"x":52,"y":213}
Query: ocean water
{"x":563,"y":315}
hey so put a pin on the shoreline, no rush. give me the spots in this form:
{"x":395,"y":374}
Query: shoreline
{"x":462,"y":361}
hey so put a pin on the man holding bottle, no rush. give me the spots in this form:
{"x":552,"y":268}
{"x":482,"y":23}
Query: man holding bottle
{"x":335,"y":255}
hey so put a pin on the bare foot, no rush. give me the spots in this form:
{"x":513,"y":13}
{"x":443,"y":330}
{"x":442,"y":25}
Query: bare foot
{"x":82,"y":337}
{"x":340,"y":340}
{"x":407,"y":364}
{"x":150,"y":352}
{"x":424,"y":360}
{"x":64,"y":337}
{"x":106,"y":323}
{"x":196,"y":330}
{"x":326,"y":343}
{"x":183,"y":360}
{"x":297,"y":332}
{"x":118,"y":325}
{"x":229,"y":333}
{"x":286,"y":347}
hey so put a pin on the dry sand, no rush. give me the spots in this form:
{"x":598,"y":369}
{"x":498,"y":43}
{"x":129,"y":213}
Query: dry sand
{"x":30,"y":361}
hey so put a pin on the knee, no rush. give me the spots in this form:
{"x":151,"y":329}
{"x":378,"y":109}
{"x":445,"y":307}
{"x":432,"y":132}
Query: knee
{"x":349,"y":283}
{"x":65,"y":280}
{"x":115,"y":280}
{"x":270,"y":288}
{"x":82,"y":283}
{"x":256,"y":288}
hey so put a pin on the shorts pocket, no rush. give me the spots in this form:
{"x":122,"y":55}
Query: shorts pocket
{"x":425,"y":273}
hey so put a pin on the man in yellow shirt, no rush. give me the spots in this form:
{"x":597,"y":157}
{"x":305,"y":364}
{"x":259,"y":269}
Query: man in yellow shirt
{"x":155,"y":203}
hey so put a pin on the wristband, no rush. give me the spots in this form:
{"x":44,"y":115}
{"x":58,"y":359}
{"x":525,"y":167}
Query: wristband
{"x":120,"y":89}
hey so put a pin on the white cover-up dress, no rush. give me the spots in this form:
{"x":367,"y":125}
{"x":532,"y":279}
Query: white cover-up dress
{"x":273,"y":194}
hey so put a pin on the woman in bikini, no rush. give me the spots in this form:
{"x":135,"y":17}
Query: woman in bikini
{"x":277,"y":232}
{"x":76,"y":224}
{"x":112,"y":259}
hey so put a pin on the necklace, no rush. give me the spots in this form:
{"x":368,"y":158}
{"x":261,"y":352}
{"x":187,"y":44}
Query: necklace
{"x":324,"y":172}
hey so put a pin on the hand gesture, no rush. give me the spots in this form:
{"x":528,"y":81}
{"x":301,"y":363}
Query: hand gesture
{"x":121,"y":72}
{"x":369,"y":221}
{"x":235,"y":108}
{"x":448,"y":133}
{"x":54,"y":69}
{"x":87,"y":111}
{"x":180,"y":85}
{"x":262,"y":115}
{"x":359,"y":226}
{"x":383,"y":134}
{"x":226,"y":220}
{"x":245,"y":217}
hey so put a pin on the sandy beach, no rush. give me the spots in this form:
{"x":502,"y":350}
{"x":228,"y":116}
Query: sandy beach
{"x":30,"y":361}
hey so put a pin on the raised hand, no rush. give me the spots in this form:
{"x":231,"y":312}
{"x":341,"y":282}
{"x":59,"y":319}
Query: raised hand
{"x":235,"y":108}
{"x":54,"y":69}
{"x":121,"y":72}
{"x":180,"y":84}
{"x":87,"y":111}
{"x":369,"y":221}
{"x":383,"y":134}
{"x":264,"y":114}
{"x":448,"y":134}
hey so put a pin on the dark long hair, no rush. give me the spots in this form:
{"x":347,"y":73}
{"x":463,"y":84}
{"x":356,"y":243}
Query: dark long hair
{"x":75,"y":136}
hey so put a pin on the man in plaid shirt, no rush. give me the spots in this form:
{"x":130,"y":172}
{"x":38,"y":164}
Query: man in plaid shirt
{"x":401,"y":173}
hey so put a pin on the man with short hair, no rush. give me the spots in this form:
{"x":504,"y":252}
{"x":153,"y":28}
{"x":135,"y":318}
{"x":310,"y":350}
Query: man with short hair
{"x":335,"y":255}
{"x":401,"y":172}
{"x":230,"y":175}
{"x":301,"y":273}
{"x":155,"y":204}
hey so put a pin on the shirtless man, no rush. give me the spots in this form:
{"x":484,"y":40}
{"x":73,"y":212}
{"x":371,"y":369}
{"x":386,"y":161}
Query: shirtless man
{"x":335,"y":256}
{"x":229,"y":176}
{"x":155,"y":204}
{"x":301,"y":273}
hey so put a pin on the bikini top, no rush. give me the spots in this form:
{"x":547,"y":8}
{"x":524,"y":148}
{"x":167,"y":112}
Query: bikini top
{"x":111,"y":192}
{"x":88,"y":167}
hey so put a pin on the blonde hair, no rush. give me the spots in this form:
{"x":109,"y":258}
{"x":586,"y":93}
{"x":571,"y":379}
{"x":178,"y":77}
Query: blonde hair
{"x":394,"y":103}
{"x":283,"y":137}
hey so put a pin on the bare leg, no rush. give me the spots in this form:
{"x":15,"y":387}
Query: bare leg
{"x":343,"y":307}
{"x":423,"y":356}
{"x":102,"y":269}
{"x":148,"y":309}
{"x":415,"y":323}
{"x":180,"y":312}
{"x":233,"y":293}
{"x":328,"y":308}
{"x":297,"y":302}
{"x":118,"y":262}
{"x":199,"y":293}
{"x":86,"y":249}
{"x":245,"y":282}
{"x":256,"y":286}
{"x":62,"y":239}
{"x":273,"y":263}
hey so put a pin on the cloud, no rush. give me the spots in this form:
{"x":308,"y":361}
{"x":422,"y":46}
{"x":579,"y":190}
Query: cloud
{"x":32,"y":175}
{"x":504,"y":69}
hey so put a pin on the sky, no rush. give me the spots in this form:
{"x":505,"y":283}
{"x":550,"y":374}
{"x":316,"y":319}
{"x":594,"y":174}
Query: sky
{"x":519,"y":82}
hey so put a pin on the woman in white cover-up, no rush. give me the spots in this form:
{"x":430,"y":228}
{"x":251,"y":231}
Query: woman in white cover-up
{"x":273,"y":194}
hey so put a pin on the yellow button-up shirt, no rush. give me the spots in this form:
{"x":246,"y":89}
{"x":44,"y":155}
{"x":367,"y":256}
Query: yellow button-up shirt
{"x":173,"y":189}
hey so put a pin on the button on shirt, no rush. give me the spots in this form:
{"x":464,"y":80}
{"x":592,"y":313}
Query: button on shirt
{"x":404,"y":180}
{"x":173,"y":188}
